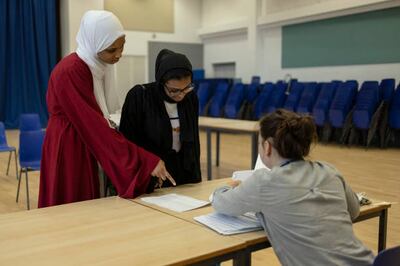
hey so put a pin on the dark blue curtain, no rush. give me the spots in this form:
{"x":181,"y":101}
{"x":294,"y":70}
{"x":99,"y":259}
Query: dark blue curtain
{"x":28,"y":53}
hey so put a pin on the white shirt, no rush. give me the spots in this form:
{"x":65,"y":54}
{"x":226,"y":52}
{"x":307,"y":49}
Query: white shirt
{"x":172,"y":110}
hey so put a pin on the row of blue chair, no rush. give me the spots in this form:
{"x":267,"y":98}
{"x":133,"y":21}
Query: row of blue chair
{"x":336,"y":104}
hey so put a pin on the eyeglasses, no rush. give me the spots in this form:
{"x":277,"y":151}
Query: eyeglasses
{"x":176,"y":92}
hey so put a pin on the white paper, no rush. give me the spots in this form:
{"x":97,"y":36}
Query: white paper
{"x":242,"y":175}
{"x":229,"y":225}
{"x":260,"y":164}
{"x":175,"y":202}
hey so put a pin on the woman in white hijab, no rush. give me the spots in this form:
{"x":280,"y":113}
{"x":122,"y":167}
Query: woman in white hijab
{"x":96,"y":49}
{"x":79,"y":134}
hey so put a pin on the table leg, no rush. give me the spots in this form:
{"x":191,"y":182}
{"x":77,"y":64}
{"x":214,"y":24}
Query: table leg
{"x":382,"y":230}
{"x":254,"y":149}
{"x":217,"y":150}
{"x":209,"y":163}
{"x":242,"y":259}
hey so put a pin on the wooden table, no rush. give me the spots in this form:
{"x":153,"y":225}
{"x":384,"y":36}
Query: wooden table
{"x":257,"y":240}
{"x":223,"y":125}
{"x":109,"y":231}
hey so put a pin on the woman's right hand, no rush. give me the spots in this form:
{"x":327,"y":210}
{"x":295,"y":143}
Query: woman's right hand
{"x":162,"y":174}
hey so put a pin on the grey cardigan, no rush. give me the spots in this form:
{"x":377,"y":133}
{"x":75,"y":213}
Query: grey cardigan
{"x":306,"y":209}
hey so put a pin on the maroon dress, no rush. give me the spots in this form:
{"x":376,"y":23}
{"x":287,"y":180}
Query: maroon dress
{"x":78,"y":136}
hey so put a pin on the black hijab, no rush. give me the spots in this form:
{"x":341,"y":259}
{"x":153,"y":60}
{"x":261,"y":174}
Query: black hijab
{"x":169,"y":63}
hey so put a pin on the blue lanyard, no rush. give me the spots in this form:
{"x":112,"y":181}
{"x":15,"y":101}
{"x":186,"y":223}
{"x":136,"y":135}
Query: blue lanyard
{"x":288,"y":162}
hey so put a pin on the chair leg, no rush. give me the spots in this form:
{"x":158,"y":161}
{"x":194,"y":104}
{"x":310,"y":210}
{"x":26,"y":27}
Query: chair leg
{"x":19,"y":184}
{"x":27,"y":189}
{"x":9,"y":159}
{"x":16,"y":164}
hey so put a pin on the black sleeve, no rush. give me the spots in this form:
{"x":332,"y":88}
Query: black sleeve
{"x":132,"y":115}
{"x":195,"y":102}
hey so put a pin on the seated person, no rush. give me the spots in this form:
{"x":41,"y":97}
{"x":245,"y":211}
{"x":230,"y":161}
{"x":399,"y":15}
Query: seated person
{"x":162,"y":117}
{"x":305,"y":207}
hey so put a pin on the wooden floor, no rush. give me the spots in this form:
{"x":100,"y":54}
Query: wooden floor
{"x":374,"y":171}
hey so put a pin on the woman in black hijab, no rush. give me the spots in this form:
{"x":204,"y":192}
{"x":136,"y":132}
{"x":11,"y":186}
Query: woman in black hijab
{"x":162,"y":117}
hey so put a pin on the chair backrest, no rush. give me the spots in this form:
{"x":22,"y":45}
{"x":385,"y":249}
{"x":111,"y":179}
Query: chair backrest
{"x":386,"y":89}
{"x":29,"y":122}
{"x":218,"y":100}
{"x":3,"y":138}
{"x":293,"y":98}
{"x":388,"y":257}
{"x":198,"y":74}
{"x":252,"y":92}
{"x":234,"y":101}
{"x":30,"y":146}
{"x":342,"y":102}
{"x":203,"y":94}
{"x":255,"y":80}
{"x":323,"y":102}
{"x":366,"y":104}
{"x":308,"y":97}
{"x":276,"y":98}
{"x":260,"y":103}
{"x":394,"y":112}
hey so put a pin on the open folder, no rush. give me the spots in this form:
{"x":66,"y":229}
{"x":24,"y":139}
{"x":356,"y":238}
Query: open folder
{"x":229,"y":225}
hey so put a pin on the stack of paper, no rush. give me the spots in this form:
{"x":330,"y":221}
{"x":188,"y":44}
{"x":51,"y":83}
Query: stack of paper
{"x":229,"y":225}
{"x":176,"y":202}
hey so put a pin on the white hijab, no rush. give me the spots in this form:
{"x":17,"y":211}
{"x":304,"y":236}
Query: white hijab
{"x":98,"y":30}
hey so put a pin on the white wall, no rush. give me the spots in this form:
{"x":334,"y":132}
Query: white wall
{"x":256,"y":50}
{"x":71,"y":12}
{"x":187,"y":18}
{"x":227,"y":49}
{"x":223,"y":11}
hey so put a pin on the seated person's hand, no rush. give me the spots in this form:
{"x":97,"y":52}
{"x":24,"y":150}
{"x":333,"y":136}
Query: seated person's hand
{"x":162,"y":174}
{"x":234,"y":183}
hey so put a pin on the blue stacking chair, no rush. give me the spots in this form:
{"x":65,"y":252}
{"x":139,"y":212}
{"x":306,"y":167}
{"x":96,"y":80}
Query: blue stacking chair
{"x":4,"y":147}
{"x":323,"y":102}
{"x":388,"y":257}
{"x":203,"y":94}
{"x":379,"y":120}
{"x":251,"y":94}
{"x":342,"y":103}
{"x":30,"y":154}
{"x":198,"y":74}
{"x":255,"y":80}
{"x":260,"y":105}
{"x":276,"y":98}
{"x":218,"y":100}
{"x":308,"y":97}
{"x":341,"y":110}
{"x":321,"y":108}
{"x":293,"y":98}
{"x":234,"y":101}
{"x":367,"y":101}
{"x":394,"y":113}
{"x":29,"y":122}
{"x":386,"y":89}
{"x":394,"y":118}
